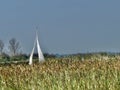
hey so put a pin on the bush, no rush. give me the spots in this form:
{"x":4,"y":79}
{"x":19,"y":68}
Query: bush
{"x":19,"y":57}
{"x":47,"y":55}
{"x":4,"y":57}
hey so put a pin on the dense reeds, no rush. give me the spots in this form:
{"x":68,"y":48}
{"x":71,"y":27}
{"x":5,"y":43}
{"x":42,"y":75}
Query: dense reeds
{"x":62,"y":74}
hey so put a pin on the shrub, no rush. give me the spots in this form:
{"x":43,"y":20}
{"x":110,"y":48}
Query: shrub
{"x":4,"y":57}
{"x":19,"y":57}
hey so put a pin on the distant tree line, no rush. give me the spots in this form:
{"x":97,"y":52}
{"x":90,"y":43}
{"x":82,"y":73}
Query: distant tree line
{"x":13,"y":47}
{"x":14,"y":53}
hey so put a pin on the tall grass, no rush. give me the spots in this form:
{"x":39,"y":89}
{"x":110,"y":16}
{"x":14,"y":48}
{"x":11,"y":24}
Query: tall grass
{"x":62,"y":74}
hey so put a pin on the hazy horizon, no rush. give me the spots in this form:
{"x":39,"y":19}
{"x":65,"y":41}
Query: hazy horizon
{"x":64,"y":26}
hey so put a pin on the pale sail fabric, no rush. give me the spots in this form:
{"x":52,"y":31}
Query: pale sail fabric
{"x":31,"y":55}
{"x":40,"y":54}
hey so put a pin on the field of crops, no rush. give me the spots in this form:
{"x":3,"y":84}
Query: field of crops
{"x":62,"y":74}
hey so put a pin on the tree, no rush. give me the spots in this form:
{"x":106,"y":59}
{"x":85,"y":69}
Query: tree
{"x":1,"y":46}
{"x":14,"y":46}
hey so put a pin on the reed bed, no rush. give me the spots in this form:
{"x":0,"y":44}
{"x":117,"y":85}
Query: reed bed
{"x":62,"y":74}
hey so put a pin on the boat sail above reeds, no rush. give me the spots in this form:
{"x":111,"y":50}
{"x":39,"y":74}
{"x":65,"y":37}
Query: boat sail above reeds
{"x":40,"y":54}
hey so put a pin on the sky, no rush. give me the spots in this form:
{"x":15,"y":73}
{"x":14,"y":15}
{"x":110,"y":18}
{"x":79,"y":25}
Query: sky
{"x":64,"y":26}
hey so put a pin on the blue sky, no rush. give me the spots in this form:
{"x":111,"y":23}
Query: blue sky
{"x":65,"y":26}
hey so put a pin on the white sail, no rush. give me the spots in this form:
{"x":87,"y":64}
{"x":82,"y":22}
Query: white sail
{"x":40,"y":54}
{"x":31,"y":55}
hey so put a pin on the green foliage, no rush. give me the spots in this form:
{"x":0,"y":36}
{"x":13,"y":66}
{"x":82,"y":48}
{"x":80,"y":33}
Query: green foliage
{"x":47,"y":55}
{"x":19,"y":57}
{"x":4,"y":57}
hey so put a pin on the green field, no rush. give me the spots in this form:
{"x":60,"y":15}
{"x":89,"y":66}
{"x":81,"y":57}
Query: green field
{"x":62,"y":74}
